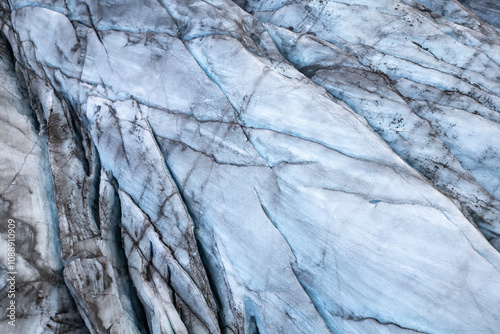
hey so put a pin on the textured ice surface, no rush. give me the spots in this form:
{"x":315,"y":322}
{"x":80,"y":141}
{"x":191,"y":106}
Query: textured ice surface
{"x":259,"y":166}
{"x":489,"y":10}
{"x":27,"y":196}
{"x":384,"y":83}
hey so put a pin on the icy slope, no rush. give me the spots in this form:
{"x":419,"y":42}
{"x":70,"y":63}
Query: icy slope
{"x":433,"y":97}
{"x":27,"y":196}
{"x":288,"y":167}
{"x":489,"y":10}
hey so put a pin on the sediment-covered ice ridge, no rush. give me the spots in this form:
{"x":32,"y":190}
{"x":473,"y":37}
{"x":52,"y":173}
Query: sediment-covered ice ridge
{"x":189,"y":166}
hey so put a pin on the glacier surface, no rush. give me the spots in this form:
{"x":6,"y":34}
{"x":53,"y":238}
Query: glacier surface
{"x":277,"y":166}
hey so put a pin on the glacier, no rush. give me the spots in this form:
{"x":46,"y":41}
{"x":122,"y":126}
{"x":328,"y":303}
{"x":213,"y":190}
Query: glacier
{"x":274,"y":166}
